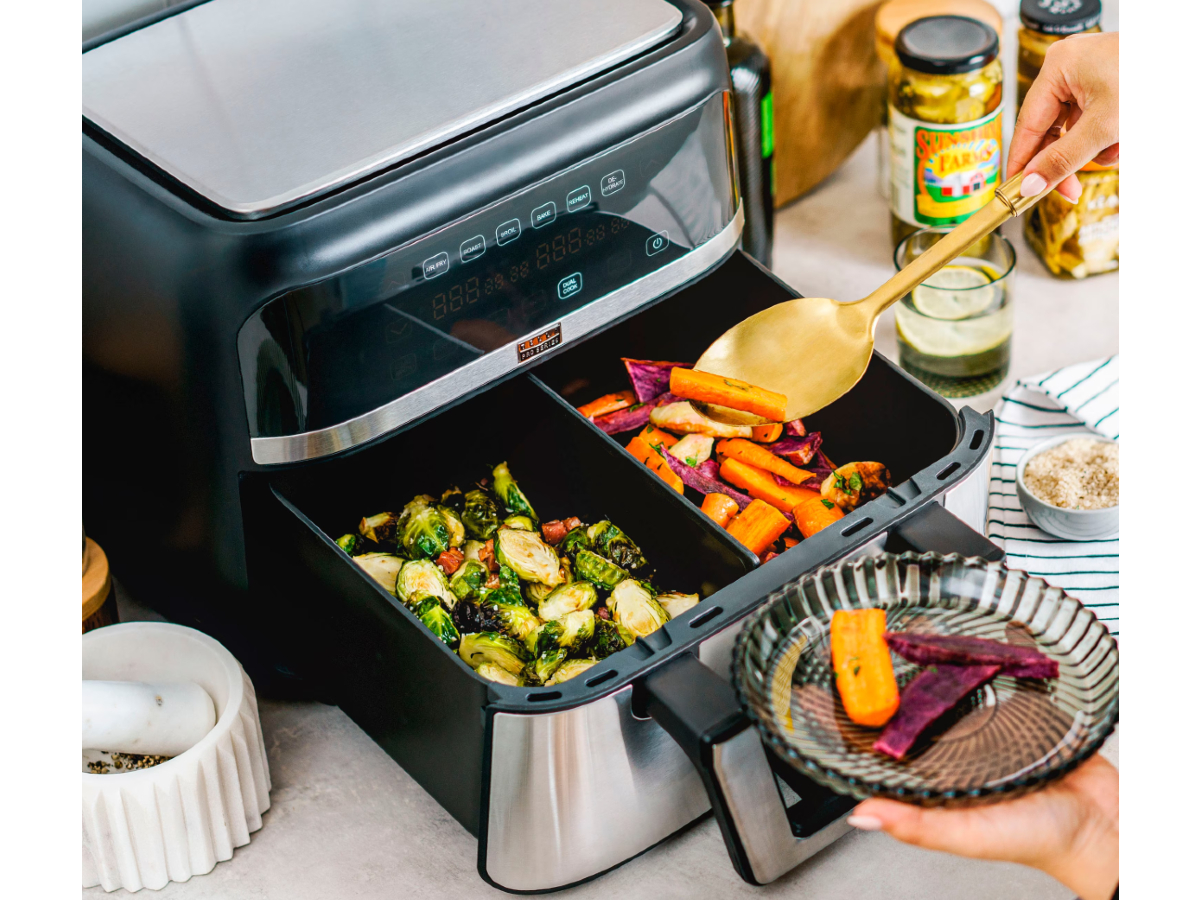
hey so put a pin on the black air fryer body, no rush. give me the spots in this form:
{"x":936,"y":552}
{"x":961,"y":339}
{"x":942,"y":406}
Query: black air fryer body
{"x":297,"y":311}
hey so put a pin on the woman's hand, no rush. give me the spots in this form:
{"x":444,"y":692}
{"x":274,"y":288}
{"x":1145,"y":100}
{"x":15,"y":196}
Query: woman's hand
{"x":1069,"y":116}
{"x":1068,"y":830}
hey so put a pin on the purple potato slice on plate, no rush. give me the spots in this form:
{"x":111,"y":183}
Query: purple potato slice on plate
{"x":927,"y":698}
{"x":964,"y":650}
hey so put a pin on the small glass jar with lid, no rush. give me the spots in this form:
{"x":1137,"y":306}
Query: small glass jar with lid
{"x":945,"y":100}
{"x":889,"y":19}
{"x":1080,"y":239}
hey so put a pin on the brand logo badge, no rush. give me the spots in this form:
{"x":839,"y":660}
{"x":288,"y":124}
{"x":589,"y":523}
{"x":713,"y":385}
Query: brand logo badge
{"x":539,"y":343}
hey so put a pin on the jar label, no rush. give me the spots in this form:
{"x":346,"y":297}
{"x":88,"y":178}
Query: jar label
{"x":941,"y":174}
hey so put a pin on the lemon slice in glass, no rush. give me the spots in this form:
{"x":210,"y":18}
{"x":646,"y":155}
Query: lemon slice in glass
{"x":955,"y":292}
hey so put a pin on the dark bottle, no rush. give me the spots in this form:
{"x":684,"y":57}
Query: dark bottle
{"x":754,"y":121}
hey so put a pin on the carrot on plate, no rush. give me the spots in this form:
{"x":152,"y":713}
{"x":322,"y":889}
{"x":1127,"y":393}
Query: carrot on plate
{"x":762,"y":484}
{"x":728,"y":392}
{"x":766,"y":434}
{"x":758,"y":526}
{"x":644,"y":453}
{"x":862,"y":664}
{"x":814,"y":514}
{"x":609,"y":403}
{"x":656,"y":437}
{"x":719,"y":507}
{"x":761,"y":458}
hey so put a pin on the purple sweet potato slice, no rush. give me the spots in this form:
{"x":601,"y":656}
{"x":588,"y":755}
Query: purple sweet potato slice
{"x":795,"y":428}
{"x":650,"y":378}
{"x":709,"y":468}
{"x":964,"y":650}
{"x":925,"y":699}
{"x":799,"y":451}
{"x":814,"y":482}
{"x":704,"y":483}
{"x":633,"y":417}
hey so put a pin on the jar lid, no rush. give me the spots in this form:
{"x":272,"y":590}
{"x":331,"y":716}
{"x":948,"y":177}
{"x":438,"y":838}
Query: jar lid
{"x":947,"y":45}
{"x":1060,"y":16}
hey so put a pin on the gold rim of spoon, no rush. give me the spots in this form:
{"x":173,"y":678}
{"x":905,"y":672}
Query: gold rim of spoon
{"x":813,"y":349}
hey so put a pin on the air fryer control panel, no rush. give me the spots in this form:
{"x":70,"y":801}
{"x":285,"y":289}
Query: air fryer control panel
{"x":497,"y":287}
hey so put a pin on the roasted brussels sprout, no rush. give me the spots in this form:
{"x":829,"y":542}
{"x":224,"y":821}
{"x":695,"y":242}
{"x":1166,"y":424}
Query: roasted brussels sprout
{"x":351,"y":543}
{"x":570,"y":669}
{"x":571,"y":632}
{"x":468,"y":581}
{"x":520,"y":523}
{"x":633,"y":606}
{"x":676,"y":604}
{"x":529,"y":556}
{"x":411,"y":508}
{"x":453,"y":499}
{"x":383,"y":567}
{"x":493,"y":672}
{"x":505,"y":488}
{"x":470,"y":618}
{"x":544,"y":666}
{"x":420,"y":578}
{"x":614,"y":545}
{"x":569,"y":598}
{"x":608,"y":638}
{"x":516,"y":618}
{"x":595,"y":568}
{"x":497,"y":649}
{"x":480,"y":515}
{"x":380,"y":528}
{"x":454,"y":526}
{"x":434,"y":617}
{"x":425,"y":534}
{"x":473,"y":550}
{"x":576,"y":540}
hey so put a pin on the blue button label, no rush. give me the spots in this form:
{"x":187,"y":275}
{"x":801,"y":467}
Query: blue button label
{"x":612,"y":182}
{"x":570,"y":286}
{"x":472,"y":249}
{"x":436,"y":265}
{"x":509,"y":231}
{"x":657,"y":243}
{"x":579,"y":198}
{"x":543,"y":215}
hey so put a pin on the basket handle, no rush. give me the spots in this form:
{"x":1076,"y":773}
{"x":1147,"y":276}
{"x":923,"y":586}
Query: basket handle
{"x":765,"y":838}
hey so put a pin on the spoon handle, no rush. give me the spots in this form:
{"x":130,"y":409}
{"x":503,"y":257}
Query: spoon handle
{"x":1007,"y":203}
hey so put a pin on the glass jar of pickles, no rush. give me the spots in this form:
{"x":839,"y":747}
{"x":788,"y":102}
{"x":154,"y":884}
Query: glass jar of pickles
{"x":1073,"y":240}
{"x":944,"y":106}
{"x":889,"y":19}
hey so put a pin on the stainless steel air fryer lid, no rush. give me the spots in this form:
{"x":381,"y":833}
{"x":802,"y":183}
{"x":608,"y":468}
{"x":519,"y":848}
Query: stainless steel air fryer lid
{"x":259,"y":104}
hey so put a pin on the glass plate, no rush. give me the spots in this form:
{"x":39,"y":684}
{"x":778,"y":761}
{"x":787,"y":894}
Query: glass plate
{"x":1009,"y":737}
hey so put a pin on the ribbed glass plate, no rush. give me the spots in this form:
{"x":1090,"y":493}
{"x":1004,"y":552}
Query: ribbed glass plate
{"x":1011,"y":736}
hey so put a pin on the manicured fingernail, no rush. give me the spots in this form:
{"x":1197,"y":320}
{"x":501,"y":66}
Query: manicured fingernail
{"x":865,"y":823}
{"x":1072,"y":200}
{"x":1032,"y":185}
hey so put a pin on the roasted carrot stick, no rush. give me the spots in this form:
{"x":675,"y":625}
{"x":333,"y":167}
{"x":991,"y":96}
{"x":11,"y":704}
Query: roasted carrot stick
{"x":762,"y":484}
{"x":766,"y":434}
{"x":758,"y":526}
{"x":719,"y":508}
{"x":789,"y":542}
{"x":644,"y":453}
{"x":729,"y":392}
{"x":656,"y":437}
{"x":609,"y":403}
{"x":814,"y":514}
{"x":761,"y":458}
{"x":863,"y":665}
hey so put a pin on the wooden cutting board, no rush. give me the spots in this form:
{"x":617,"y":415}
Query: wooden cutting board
{"x":827,"y":80}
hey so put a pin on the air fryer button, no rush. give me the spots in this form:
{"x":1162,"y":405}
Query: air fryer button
{"x":579,"y":198}
{"x":509,"y":231}
{"x":612,"y":182}
{"x":570,"y":286}
{"x":472,"y":249}
{"x":436,"y":265}
{"x":657,"y":243}
{"x":543,"y":215}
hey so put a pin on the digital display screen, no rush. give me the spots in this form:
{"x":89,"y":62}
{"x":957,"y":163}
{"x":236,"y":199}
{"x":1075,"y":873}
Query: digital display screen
{"x":323,"y":354}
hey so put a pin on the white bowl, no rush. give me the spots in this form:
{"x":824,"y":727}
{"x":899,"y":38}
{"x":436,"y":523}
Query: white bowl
{"x":1069,"y":524}
{"x":177,"y":819}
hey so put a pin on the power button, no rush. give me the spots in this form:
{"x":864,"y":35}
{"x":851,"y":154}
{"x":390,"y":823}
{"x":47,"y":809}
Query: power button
{"x":657,"y":243}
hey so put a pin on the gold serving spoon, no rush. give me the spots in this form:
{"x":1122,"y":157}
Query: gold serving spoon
{"x":812,"y":349}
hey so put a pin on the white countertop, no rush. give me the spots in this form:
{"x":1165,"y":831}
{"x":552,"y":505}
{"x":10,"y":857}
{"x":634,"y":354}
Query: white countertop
{"x":347,"y":821}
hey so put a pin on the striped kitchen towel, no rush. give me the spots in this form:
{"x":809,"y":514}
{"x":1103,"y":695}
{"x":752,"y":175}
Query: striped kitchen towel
{"x":1074,"y":400}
